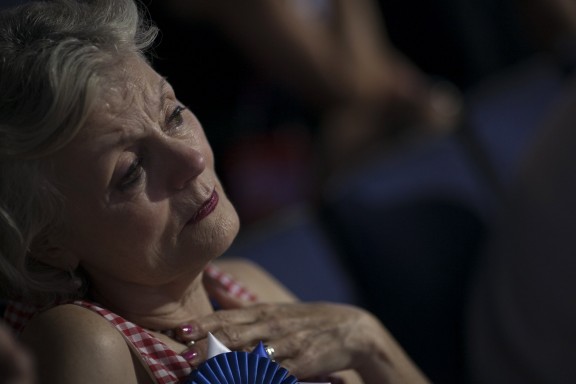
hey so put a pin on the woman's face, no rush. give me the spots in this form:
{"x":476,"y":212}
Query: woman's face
{"x":143,"y":203}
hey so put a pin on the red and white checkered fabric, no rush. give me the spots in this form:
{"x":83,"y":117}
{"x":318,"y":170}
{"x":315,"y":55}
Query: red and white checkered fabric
{"x":167,"y":366}
{"x":233,"y":287}
{"x":17,"y":315}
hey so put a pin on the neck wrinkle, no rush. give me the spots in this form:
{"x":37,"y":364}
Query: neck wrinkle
{"x":157,"y":308}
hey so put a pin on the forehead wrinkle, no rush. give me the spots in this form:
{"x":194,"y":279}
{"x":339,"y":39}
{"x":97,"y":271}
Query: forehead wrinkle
{"x":142,"y":91}
{"x":126,"y":103}
{"x":129,"y":89}
{"x":163,"y":90}
{"x":129,"y":102}
{"x":114,"y":112}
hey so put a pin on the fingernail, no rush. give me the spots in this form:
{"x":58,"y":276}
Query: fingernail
{"x":190,"y":354}
{"x":185,"y":330}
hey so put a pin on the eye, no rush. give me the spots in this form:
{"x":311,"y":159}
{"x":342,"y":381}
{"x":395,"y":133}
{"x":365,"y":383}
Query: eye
{"x":132,"y":175}
{"x":175,"y":119}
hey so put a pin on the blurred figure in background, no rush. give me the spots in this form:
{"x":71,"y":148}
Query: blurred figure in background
{"x":323,"y":77}
{"x":340,"y":76}
{"x":349,"y":86}
{"x":522,"y":313}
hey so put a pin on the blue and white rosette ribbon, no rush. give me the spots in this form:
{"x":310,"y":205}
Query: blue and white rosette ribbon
{"x":226,"y":367}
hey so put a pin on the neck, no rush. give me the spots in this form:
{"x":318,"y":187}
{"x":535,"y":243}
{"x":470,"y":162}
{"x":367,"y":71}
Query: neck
{"x":154,"y":307}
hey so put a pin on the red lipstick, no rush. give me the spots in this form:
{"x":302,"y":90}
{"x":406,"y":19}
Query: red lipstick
{"x":206,"y":208}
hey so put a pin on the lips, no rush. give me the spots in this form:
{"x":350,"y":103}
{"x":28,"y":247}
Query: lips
{"x":207,"y":208}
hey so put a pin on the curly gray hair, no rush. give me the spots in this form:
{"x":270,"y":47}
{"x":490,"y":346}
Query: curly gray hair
{"x":54,"y":56}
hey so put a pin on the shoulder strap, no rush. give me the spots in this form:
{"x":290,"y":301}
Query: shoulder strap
{"x":165,"y":365}
{"x":229,"y":283}
{"x":17,"y":315}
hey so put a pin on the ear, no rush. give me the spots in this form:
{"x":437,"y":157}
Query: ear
{"x":59,"y":258}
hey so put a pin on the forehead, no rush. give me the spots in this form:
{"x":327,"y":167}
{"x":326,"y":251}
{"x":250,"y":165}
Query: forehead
{"x":130,"y":91}
{"x":128,"y":99}
{"x":129,"y":79}
{"x":127,"y":108}
{"x":131,"y":82}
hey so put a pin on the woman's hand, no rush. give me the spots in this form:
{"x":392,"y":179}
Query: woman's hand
{"x":309,"y":340}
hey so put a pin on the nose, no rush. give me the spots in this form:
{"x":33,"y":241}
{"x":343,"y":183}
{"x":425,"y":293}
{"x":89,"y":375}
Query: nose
{"x":186,"y":163}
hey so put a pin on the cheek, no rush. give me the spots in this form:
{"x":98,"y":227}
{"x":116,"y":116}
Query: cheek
{"x":124,"y":230}
{"x":138,"y":227}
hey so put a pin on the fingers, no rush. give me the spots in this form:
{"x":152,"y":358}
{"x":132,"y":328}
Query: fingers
{"x":238,"y":338}
{"x":234,"y":328}
{"x":248,"y":335}
{"x":308,"y":354}
{"x":235,"y":317}
{"x":308,"y":339}
{"x":241,"y":327}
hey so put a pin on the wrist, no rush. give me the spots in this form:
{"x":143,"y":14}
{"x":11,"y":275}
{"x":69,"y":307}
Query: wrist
{"x":383,"y":360}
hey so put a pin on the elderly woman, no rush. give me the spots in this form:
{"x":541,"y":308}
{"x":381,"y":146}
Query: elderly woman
{"x":111,"y":214}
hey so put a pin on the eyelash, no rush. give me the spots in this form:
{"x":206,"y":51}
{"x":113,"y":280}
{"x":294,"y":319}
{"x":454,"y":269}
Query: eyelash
{"x":134,"y":172}
{"x":132,"y":175}
{"x":175,"y":118}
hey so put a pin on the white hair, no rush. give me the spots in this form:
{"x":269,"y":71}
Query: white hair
{"x":54,"y":56}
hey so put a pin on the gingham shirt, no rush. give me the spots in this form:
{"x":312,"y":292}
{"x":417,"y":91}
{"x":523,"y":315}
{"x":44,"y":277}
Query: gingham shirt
{"x":166,"y":366}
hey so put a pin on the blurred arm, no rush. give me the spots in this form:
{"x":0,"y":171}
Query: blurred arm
{"x":523,"y":313}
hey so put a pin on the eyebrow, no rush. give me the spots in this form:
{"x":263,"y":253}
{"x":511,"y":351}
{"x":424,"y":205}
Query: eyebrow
{"x":163,"y":92}
{"x":118,"y":137}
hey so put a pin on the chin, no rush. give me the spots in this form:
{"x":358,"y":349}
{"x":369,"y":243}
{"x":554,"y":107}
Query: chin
{"x":232,"y":225}
{"x":224,"y":231}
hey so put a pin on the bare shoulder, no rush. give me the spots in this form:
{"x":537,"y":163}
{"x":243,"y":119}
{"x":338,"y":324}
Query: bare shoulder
{"x":256,"y":279}
{"x":71,"y":344}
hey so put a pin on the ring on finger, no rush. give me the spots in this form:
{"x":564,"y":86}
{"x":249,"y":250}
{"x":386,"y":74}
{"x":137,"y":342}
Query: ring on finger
{"x":270,"y":351}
